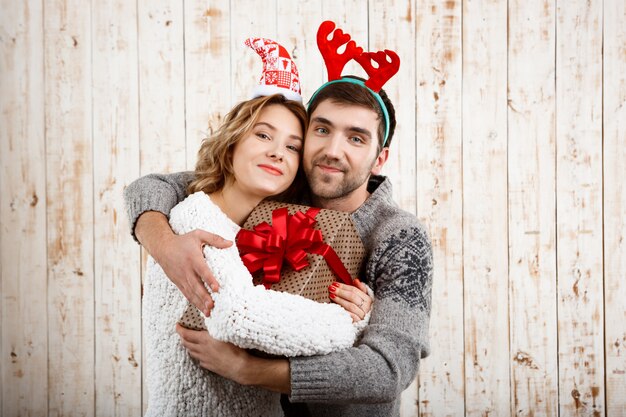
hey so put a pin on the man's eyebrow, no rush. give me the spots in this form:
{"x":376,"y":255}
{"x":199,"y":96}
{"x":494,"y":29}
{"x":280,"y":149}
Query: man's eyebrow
{"x":320,"y":119}
{"x":323,"y":120}
{"x":271,"y":127}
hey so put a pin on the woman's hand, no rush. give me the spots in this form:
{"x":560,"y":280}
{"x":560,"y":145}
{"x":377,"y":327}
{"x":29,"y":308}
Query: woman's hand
{"x":353,"y":298}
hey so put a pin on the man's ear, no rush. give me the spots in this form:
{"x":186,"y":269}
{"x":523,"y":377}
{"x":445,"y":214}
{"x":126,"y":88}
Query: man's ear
{"x":380,"y":161}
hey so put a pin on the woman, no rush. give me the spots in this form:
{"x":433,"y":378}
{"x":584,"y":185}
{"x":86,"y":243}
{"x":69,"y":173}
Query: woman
{"x":255,"y":154}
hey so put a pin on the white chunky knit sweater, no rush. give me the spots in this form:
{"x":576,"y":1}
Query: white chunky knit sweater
{"x":246,"y":315}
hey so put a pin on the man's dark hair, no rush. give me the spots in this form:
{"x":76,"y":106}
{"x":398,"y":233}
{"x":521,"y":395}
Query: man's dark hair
{"x":354,"y":94}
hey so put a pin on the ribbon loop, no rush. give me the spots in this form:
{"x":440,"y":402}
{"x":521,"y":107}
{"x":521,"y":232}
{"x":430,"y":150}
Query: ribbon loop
{"x":289,"y":238}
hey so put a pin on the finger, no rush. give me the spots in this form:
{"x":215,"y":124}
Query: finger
{"x":346,"y":299}
{"x":188,"y":335}
{"x":195,"y":296}
{"x":212,"y":239}
{"x":360,"y":285}
{"x":206,"y":275}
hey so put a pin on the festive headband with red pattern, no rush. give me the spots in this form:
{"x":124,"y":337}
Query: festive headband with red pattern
{"x":387,"y":64}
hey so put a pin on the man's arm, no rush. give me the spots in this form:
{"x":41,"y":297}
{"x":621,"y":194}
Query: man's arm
{"x":235,"y":363}
{"x":386,"y":359}
{"x":382,"y":364}
{"x":149,"y":200}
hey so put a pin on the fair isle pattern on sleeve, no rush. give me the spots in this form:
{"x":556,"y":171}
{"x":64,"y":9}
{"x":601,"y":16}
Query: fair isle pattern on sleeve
{"x":406,"y":260}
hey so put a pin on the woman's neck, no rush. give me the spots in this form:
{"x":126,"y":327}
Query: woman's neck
{"x":234,"y":203}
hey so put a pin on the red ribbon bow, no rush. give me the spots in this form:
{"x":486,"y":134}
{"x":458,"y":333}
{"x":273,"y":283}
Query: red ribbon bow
{"x":290,"y":238}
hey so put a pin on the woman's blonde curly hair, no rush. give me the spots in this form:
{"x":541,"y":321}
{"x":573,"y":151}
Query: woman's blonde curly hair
{"x":215,"y":157}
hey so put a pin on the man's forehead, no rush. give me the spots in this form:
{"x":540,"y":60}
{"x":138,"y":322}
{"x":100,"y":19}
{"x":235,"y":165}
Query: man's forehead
{"x":335,"y":113}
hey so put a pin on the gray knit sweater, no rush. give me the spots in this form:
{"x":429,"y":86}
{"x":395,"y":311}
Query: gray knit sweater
{"x":365,"y":380}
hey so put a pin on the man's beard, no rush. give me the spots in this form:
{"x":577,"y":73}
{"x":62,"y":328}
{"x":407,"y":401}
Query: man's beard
{"x":325,"y":187}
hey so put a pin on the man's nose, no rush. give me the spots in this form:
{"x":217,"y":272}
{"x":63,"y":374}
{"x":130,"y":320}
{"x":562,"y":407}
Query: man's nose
{"x":333,"y":147}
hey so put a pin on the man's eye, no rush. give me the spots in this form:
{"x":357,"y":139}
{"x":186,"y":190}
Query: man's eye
{"x":322,"y":130}
{"x":356,"y":139}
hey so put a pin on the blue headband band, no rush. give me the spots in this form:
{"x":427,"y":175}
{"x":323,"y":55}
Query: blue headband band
{"x":362,"y":84}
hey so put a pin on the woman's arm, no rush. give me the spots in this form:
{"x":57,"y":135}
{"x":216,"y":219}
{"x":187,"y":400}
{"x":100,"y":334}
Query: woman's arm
{"x":251,"y":316}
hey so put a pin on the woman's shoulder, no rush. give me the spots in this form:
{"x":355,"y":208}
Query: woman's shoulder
{"x":198,"y":211}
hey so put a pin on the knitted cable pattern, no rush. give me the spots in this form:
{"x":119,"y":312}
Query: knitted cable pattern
{"x":246,"y":315}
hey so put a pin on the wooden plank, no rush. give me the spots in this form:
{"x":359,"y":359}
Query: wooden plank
{"x":352,"y":17}
{"x":579,"y":208}
{"x":485,"y":240}
{"x":532,"y":249}
{"x":161,"y":97}
{"x":390,"y":24}
{"x":615,"y":204}
{"x":117,"y":256}
{"x":161,"y":86}
{"x":246,"y":66}
{"x":23,"y":272}
{"x":300,"y":40}
{"x":207,"y":71}
{"x":69,"y":184}
{"x":439,"y":198}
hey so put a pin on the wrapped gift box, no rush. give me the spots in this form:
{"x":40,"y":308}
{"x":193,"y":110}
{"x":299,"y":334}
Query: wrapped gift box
{"x":286,"y":247}
{"x":312,"y":281}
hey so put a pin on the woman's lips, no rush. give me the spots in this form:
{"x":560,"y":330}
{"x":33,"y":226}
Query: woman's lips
{"x":271,"y":169}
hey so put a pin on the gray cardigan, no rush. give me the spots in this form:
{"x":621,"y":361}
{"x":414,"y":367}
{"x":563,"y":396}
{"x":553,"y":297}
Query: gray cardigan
{"x":368,"y":378}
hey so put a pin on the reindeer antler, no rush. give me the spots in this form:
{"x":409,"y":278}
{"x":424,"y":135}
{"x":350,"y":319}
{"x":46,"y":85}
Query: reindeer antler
{"x":385,"y":70}
{"x":335,"y":61}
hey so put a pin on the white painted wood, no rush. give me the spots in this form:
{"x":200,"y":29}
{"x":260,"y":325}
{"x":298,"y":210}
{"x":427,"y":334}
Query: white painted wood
{"x":70,"y":211}
{"x":352,"y":16}
{"x":207,"y":71}
{"x":247,"y":21}
{"x":161,"y":94}
{"x":161,"y":86}
{"x":532,"y":248}
{"x":485,"y":240}
{"x":116,"y":255}
{"x":439,"y":198}
{"x":579,"y":208}
{"x":614,"y":93}
{"x":300,"y":40}
{"x":390,"y":22}
{"x":23,"y":271}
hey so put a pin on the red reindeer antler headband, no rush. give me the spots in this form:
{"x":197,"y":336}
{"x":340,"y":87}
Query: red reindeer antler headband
{"x":388,"y":63}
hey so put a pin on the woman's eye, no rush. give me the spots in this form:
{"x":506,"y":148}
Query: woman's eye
{"x":262,"y":136}
{"x":293,"y":148}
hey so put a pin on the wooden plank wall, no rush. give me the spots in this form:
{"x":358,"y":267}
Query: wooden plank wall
{"x":511,"y":148}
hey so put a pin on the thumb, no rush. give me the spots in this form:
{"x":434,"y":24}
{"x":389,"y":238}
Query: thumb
{"x":213,"y":240}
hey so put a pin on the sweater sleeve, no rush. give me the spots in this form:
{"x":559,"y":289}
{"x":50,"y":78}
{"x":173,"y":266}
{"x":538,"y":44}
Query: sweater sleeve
{"x":386,"y":359}
{"x":155,"y":192}
{"x":251,"y":316}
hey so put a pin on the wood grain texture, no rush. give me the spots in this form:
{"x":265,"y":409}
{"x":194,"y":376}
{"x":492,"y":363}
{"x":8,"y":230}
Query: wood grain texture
{"x":614,"y":122}
{"x":397,"y":19}
{"x":246,"y":21}
{"x":579,"y":208}
{"x":485,"y":240}
{"x":70,"y":209}
{"x":532,"y":206}
{"x":23,"y":271}
{"x":439,"y":172}
{"x":116,"y":257}
{"x":207,"y":71}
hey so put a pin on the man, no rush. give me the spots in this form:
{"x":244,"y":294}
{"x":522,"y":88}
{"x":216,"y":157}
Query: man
{"x":346,"y":146}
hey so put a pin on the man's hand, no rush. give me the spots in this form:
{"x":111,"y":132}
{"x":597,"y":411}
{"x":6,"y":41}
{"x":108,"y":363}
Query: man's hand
{"x":235,"y":363}
{"x":181,"y":256}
